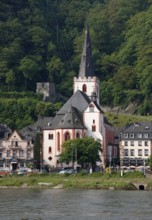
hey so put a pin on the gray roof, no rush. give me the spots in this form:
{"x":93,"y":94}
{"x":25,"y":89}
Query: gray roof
{"x":71,"y":114}
{"x":86,"y":65}
{"x":78,"y":100}
{"x":29,"y":132}
{"x":135,"y":129}
{"x":72,"y":119}
{"x":4,"y":131}
{"x":139,"y":127}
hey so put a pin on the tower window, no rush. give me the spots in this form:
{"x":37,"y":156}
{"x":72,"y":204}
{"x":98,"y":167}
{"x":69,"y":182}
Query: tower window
{"x":50,"y":136}
{"x":84,"y":88}
{"x":93,"y":128}
{"x":50,"y":150}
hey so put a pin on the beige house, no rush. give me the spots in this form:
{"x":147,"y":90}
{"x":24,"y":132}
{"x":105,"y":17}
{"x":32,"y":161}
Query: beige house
{"x":16,"y":151}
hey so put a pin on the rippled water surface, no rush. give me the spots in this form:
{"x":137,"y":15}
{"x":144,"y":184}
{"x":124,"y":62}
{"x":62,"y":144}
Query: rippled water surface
{"x":35,"y":204}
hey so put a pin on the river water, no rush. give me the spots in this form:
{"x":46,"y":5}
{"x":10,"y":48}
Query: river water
{"x":51,"y":204}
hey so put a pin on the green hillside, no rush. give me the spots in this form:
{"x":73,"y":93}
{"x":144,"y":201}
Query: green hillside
{"x":41,"y":41}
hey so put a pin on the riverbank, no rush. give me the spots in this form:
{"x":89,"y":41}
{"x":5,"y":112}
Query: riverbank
{"x":88,"y":181}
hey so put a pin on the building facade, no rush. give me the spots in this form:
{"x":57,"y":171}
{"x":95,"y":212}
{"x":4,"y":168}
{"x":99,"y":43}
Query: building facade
{"x":16,"y":151}
{"x":136,"y":144}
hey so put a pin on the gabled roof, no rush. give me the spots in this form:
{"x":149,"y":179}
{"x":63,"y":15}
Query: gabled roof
{"x":79,"y":100}
{"x":86,"y":65}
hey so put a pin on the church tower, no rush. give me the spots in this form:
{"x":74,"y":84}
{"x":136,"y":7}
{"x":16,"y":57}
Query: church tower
{"x":86,"y":81}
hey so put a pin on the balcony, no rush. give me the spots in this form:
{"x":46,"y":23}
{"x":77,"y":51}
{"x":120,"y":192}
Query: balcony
{"x":13,"y":147}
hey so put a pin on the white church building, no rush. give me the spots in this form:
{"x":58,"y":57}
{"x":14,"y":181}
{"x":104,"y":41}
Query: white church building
{"x":80,"y":116}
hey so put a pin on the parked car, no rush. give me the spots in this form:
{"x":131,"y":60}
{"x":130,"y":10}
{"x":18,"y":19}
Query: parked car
{"x":67,"y":171}
{"x":22,"y":172}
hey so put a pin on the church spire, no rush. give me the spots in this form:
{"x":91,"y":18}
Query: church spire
{"x":86,"y":65}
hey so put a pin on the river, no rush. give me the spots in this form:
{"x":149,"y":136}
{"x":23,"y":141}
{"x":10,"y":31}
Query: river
{"x":51,"y":204}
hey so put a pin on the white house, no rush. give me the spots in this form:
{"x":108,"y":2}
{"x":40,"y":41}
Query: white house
{"x":136,"y":144}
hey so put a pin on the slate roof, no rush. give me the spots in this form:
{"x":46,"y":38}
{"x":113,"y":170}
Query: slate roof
{"x":140,"y":127}
{"x":79,"y":100}
{"x":29,"y":132}
{"x":4,"y":131}
{"x":86,"y":65}
{"x":136,"y":129}
{"x":72,"y":119}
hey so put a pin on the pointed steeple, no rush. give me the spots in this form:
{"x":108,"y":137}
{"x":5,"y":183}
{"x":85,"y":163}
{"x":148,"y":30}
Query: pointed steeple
{"x":86,"y":65}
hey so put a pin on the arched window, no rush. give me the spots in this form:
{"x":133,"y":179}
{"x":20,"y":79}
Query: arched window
{"x":84,"y":88}
{"x":50,"y":150}
{"x":58,"y":141}
{"x":77,"y":135}
{"x":67,"y":136}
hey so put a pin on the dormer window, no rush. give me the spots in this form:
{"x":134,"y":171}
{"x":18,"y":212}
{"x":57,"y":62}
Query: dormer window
{"x":131,"y":135}
{"x":145,"y":135}
{"x":139,"y":135}
{"x":125,"y":135}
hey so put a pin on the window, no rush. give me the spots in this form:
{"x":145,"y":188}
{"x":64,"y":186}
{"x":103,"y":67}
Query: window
{"x":14,"y":153}
{"x":0,"y":154}
{"x":132,"y":135}
{"x":146,"y":143}
{"x":91,"y":107}
{"x":28,"y":154}
{"x":8,"y":153}
{"x":58,"y":141}
{"x":125,"y":135}
{"x":50,"y":150}
{"x":139,"y":152}
{"x":139,"y":143}
{"x":145,"y":135}
{"x":126,"y":152}
{"x":93,"y":128}
{"x":77,"y":135}
{"x":21,"y":153}
{"x":126,"y":143}
{"x":132,"y":152}
{"x":139,"y":135}
{"x":14,"y":143}
{"x":67,"y":136}
{"x":50,"y":136}
{"x":146,"y":152}
{"x":132,"y":143}
{"x":84,"y":88}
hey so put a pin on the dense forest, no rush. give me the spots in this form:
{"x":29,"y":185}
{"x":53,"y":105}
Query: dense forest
{"x":41,"y":41}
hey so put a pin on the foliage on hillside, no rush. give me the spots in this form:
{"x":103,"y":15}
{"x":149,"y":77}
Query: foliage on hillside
{"x":122,"y":120}
{"x":42,"y":41}
{"x":20,"y":112}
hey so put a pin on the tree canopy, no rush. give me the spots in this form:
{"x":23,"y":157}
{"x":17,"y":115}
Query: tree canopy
{"x":86,"y":151}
